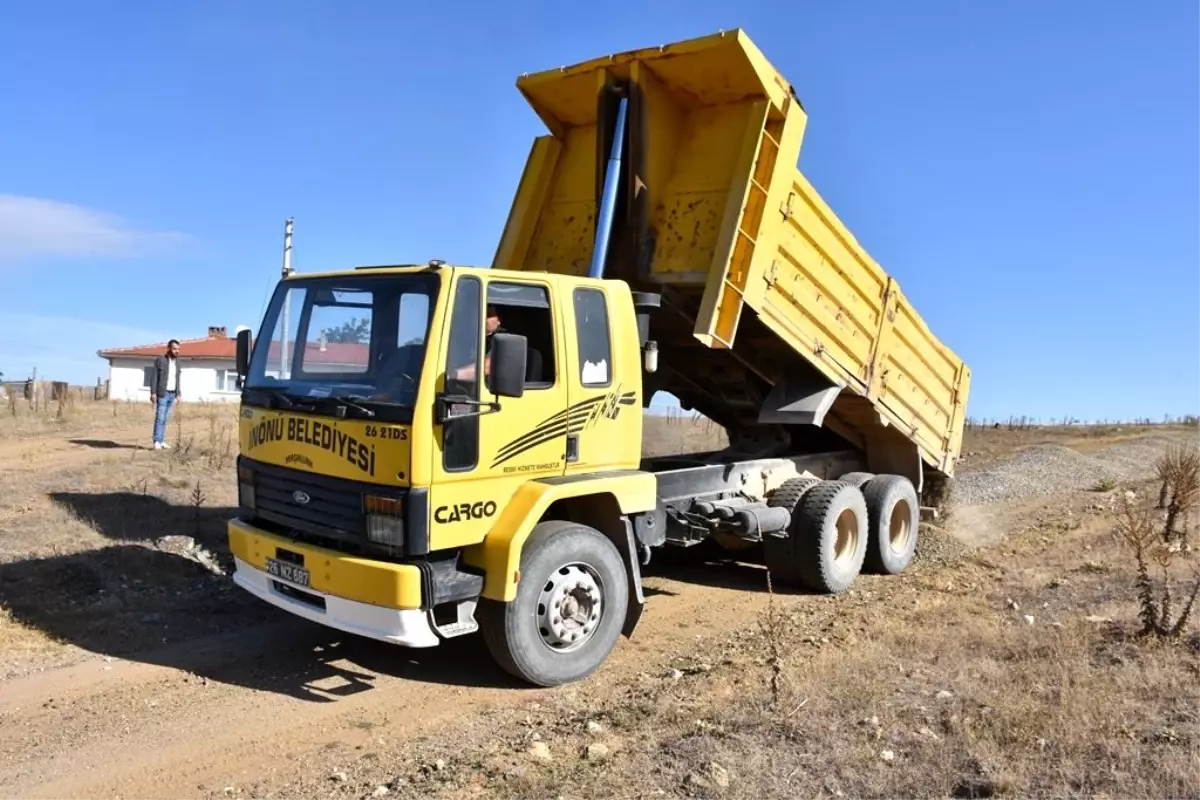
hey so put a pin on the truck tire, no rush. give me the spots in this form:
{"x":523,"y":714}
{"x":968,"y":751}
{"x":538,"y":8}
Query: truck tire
{"x":830,"y":531}
{"x":569,"y":609}
{"x":893,"y":511}
{"x":856,"y":478}
{"x":779,"y":552}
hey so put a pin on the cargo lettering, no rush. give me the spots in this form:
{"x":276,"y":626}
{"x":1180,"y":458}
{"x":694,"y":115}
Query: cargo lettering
{"x":317,"y":434}
{"x":461,"y":511}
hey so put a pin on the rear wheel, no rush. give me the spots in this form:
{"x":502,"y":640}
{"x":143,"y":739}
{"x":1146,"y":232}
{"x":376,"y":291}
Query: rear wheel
{"x":893,"y":511}
{"x":569,"y":608}
{"x":779,"y":552}
{"x":856,"y":478}
{"x":827,"y":538}
{"x":831,"y":532}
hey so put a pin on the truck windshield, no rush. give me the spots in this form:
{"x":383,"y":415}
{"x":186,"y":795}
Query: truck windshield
{"x":360,"y":339}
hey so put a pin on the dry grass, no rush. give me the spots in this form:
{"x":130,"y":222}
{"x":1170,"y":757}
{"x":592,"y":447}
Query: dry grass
{"x":1012,"y":674}
{"x":983,"y":446}
{"x":819,"y":697}
{"x":676,"y":432}
{"x":87,"y":512}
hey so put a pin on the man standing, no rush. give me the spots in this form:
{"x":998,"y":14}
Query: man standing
{"x":164,"y":391}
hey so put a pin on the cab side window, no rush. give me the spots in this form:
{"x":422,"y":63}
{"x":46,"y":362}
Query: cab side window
{"x":524,"y":309}
{"x":460,"y":448}
{"x":595,"y":345}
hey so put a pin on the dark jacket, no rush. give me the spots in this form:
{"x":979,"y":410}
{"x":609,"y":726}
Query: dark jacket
{"x":162,"y":371}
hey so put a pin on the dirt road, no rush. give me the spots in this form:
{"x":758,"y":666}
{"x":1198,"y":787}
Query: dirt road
{"x":234,"y":707}
{"x":97,"y":705}
{"x":240,"y":694}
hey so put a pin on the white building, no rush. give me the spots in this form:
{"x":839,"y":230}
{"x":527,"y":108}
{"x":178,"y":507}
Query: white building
{"x":208,"y":368}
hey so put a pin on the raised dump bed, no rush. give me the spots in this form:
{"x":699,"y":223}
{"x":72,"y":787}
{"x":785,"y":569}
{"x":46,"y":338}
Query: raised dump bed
{"x":774,"y":321}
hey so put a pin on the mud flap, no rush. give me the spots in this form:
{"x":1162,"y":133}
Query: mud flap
{"x":633,"y":570}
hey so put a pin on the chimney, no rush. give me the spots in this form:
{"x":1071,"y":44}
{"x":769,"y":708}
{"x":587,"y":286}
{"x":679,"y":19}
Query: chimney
{"x":217,"y":332}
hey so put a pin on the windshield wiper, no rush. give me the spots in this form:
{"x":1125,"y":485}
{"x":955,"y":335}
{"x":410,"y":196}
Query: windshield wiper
{"x":347,"y":400}
{"x":280,"y":399}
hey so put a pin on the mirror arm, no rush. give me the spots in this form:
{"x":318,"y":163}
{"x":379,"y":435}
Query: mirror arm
{"x":443,"y":402}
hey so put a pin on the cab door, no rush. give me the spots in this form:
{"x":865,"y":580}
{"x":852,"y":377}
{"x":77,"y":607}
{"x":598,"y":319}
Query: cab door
{"x":604,"y":430}
{"x":485,"y":455}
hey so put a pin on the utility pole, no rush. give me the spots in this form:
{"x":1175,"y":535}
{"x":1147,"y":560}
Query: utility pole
{"x":284,"y":372}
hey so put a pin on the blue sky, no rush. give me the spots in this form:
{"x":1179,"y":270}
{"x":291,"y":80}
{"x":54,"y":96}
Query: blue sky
{"x":1026,"y":170}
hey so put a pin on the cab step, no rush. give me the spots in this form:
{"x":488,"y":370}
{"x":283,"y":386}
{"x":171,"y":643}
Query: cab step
{"x":451,"y":620}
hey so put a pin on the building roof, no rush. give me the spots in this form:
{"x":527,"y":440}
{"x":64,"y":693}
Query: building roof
{"x":208,"y":347}
{"x":223,"y":347}
{"x":349,"y":353}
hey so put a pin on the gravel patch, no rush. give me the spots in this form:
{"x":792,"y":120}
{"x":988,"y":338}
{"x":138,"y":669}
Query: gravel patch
{"x":1050,"y":468}
{"x":937,"y":548}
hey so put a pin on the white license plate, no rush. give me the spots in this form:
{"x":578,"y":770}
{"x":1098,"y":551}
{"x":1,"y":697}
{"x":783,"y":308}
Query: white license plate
{"x":287,"y":572}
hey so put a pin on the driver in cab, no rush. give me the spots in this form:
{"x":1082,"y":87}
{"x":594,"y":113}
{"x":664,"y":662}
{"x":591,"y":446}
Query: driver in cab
{"x":493,"y":326}
{"x":398,"y":377}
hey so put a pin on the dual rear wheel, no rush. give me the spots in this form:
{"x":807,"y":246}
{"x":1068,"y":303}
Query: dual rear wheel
{"x":839,"y":529}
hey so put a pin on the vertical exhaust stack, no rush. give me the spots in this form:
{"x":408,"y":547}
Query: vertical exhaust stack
{"x":284,"y":372}
{"x":287,"y":247}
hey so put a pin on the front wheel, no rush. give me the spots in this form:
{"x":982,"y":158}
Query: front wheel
{"x":569,"y":608}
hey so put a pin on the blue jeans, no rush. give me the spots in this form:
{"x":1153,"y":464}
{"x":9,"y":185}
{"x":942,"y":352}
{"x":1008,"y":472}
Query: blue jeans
{"x":161,"y":411}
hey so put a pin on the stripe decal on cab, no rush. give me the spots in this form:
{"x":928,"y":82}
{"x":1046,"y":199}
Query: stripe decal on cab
{"x":574,"y":419}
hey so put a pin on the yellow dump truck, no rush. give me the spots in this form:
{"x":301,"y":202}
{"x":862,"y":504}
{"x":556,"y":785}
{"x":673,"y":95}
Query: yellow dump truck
{"x":428,"y":451}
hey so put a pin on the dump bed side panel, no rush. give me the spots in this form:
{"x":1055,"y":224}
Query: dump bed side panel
{"x":823,"y":294}
{"x":922,"y":384}
{"x":836,"y":305}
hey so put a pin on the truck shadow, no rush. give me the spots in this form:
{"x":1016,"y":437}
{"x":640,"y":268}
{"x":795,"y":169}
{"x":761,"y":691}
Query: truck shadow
{"x":161,"y":595}
{"x":708,"y":564}
{"x":144,"y":517}
{"x":138,"y":604}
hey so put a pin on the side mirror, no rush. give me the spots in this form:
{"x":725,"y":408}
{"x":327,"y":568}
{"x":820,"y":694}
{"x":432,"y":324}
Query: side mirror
{"x":507,"y":378}
{"x":243,"y":355}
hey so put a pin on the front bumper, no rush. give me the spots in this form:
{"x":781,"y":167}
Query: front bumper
{"x":367,"y":598}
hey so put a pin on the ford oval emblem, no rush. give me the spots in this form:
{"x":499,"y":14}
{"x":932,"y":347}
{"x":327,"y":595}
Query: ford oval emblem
{"x":300,"y":497}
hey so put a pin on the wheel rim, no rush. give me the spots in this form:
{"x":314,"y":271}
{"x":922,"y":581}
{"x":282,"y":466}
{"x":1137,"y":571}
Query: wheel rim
{"x":900,"y":526}
{"x":569,"y":607}
{"x":847,"y":537}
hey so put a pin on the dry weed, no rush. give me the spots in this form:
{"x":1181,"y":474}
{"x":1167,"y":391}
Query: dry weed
{"x":1179,"y":475}
{"x":219,"y":452}
{"x":66,"y":406}
{"x":1135,"y":525}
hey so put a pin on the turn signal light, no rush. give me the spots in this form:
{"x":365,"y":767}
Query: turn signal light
{"x":245,"y":486}
{"x":374,"y":504}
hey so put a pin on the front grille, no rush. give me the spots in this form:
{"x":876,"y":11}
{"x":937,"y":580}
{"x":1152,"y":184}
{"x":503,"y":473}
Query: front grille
{"x":334,"y":508}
